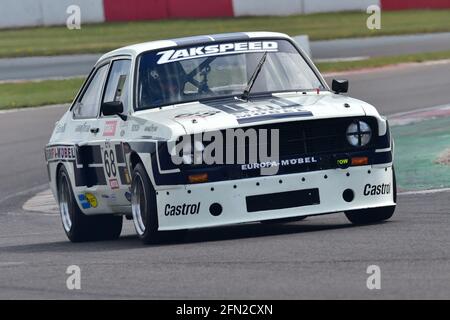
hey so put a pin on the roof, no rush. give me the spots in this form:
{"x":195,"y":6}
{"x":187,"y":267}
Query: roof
{"x":137,"y":49}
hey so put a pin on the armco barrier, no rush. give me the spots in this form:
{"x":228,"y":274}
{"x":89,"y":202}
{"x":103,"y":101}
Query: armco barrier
{"x":23,"y":13}
{"x":315,"y":6}
{"x":200,"y":8}
{"x":414,"y":4}
{"x":129,"y":10}
{"x":27,"y":13}
{"x":267,"y":8}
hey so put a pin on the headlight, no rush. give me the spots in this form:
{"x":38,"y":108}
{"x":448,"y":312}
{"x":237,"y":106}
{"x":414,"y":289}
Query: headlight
{"x":359,"y":134}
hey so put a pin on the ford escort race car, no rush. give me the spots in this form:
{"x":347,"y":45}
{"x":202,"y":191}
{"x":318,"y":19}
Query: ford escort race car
{"x":215,"y":130}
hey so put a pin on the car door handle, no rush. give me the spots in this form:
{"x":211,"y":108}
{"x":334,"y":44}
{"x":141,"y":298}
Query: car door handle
{"x":94,"y":130}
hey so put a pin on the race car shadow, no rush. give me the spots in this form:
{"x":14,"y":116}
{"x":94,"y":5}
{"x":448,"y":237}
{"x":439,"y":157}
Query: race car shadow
{"x":227,"y":233}
{"x":261,"y":230}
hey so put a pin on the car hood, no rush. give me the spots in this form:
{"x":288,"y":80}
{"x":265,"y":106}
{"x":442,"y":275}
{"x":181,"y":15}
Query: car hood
{"x":220,"y":114}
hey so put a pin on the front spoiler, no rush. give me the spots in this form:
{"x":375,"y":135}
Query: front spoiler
{"x":231,"y":195}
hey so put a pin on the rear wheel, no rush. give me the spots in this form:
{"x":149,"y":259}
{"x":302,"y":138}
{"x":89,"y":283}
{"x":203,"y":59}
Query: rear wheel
{"x":145,"y":211}
{"x":78,"y":226}
{"x":374,"y":215}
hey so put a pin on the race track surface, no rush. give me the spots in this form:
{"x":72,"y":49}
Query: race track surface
{"x":78,"y":65}
{"x":321,"y":257}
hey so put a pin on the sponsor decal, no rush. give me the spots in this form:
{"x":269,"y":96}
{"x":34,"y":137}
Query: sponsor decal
{"x":60,"y":128}
{"x":182,"y":209}
{"x":128,"y":196}
{"x":127,"y":176}
{"x":114,"y":183}
{"x":60,"y":153}
{"x":91,"y":199}
{"x":377,"y":189}
{"x":217,"y":50}
{"x":110,"y":128}
{"x":343,"y":163}
{"x":274,"y":108}
{"x":199,"y":114}
{"x":135,"y":127}
{"x":282,"y":163}
{"x":87,"y":200}
{"x":151,"y":128}
{"x":81,"y":128}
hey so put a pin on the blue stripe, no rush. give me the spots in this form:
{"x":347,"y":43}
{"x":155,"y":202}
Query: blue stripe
{"x":191,"y":40}
{"x":275,"y":116}
{"x":234,"y":36}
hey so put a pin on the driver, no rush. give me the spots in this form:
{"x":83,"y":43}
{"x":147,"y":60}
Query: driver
{"x":162,"y":84}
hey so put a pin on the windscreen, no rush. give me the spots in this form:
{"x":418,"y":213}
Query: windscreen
{"x":185,"y":74}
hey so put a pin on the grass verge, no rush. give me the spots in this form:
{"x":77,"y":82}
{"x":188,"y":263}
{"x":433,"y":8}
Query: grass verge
{"x":98,"y":38}
{"x":38,"y":93}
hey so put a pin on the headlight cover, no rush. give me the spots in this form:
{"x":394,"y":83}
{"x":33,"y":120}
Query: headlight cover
{"x":359,"y":134}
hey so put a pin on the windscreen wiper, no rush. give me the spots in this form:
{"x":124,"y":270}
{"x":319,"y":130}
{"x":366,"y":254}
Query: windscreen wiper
{"x":245,"y":95}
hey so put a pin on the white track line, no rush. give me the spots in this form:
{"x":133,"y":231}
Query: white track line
{"x":431,"y":191}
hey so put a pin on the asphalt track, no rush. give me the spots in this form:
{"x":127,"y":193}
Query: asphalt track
{"x":78,"y":65}
{"x":322,"y":257}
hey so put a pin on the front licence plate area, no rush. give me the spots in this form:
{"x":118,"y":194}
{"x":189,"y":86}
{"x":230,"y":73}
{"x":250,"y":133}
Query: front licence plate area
{"x":283,"y":200}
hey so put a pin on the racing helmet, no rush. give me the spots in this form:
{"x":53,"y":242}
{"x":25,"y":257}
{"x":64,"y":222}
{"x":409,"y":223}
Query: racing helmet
{"x":162,"y":83}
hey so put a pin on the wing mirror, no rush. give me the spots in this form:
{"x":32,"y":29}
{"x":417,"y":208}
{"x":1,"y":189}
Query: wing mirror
{"x":113,"y":108}
{"x":339,"y":86}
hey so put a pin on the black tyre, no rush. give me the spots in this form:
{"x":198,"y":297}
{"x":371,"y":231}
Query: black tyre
{"x":374,"y":215}
{"x":78,"y":226}
{"x":144,"y":208}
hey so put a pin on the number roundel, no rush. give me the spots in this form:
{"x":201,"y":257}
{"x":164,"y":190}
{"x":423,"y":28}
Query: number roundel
{"x":110,"y":164}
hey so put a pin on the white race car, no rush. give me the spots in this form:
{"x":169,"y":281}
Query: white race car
{"x":215,"y":130}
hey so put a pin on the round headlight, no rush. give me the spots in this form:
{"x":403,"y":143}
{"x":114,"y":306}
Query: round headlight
{"x":359,"y":134}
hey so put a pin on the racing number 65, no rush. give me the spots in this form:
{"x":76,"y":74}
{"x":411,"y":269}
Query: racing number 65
{"x":110,"y":163}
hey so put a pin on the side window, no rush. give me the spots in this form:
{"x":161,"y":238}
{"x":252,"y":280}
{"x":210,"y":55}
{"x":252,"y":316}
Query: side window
{"x":89,"y":103}
{"x":117,"y":85}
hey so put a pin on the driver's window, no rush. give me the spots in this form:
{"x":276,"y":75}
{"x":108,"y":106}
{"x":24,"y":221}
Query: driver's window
{"x":89,"y":103}
{"x":118,"y":81}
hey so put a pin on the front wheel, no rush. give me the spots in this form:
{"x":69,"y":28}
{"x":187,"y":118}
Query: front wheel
{"x":78,"y":226}
{"x":144,"y":209}
{"x":368,"y":216}
{"x":374,"y":215}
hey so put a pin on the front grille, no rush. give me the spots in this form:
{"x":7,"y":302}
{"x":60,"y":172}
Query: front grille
{"x":315,"y":137}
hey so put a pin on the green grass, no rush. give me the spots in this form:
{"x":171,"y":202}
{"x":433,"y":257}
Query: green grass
{"x":104,"y":37}
{"x":38,"y":93}
{"x":416,"y":154}
{"x":30,"y":94}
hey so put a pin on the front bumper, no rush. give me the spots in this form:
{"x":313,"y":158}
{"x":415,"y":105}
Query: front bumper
{"x":188,"y":206}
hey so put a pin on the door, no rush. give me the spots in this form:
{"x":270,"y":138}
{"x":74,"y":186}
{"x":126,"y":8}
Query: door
{"x":114,"y":131}
{"x":85,"y":130}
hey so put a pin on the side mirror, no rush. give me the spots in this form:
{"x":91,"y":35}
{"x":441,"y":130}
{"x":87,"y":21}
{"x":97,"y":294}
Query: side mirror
{"x":339,"y":86}
{"x":113,"y":108}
